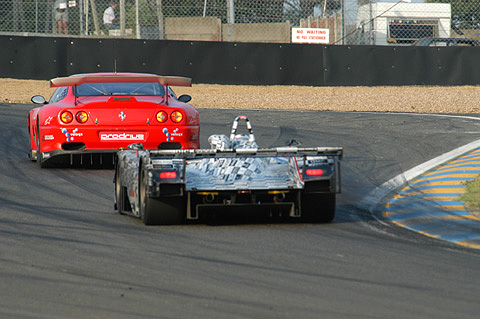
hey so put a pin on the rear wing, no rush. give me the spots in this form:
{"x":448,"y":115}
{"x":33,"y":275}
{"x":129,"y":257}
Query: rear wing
{"x":331,"y":155}
{"x":276,"y":151}
{"x":143,"y":78}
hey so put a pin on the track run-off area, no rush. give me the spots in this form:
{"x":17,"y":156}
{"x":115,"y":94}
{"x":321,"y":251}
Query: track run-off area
{"x":430,"y":204}
{"x":65,"y":252}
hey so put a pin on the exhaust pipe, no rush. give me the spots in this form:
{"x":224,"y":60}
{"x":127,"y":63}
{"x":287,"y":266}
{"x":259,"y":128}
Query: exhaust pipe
{"x":209,"y":198}
{"x":278,"y":198}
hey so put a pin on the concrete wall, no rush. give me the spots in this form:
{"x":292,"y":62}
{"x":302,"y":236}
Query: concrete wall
{"x":257,"y":32}
{"x":193,"y":29}
{"x":211,"y":29}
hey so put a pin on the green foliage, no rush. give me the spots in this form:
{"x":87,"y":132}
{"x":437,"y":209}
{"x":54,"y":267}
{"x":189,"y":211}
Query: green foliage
{"x":465,"y":14}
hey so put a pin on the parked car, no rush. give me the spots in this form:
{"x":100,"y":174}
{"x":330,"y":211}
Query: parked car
{"x":446,"y":42}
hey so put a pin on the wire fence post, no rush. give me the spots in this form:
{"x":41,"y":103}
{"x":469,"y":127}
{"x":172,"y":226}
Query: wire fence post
{"x":358,"y":22}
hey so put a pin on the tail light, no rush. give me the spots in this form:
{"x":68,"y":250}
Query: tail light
{"x":176,"y":116}
{"x":314,"y":172}
{"x":168,"y":175}
{"x":162,"y":116}
{"x":81,"y":117}
{"x":66,"y":117}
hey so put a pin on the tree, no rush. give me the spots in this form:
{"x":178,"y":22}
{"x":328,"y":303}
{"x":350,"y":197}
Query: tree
{"x":465,"y":14}
{"x":251,"y":11}
{"x":302,"y":9}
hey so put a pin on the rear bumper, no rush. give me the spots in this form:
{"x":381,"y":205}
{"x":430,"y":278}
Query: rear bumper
{"x":80,"y":139}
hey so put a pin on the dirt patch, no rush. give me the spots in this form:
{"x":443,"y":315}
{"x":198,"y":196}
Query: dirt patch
{"x":416,"y":99}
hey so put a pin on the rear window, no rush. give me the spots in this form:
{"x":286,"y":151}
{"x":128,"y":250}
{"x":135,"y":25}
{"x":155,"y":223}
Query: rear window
{"x":59,"y":94}
{"x":115,"y":88}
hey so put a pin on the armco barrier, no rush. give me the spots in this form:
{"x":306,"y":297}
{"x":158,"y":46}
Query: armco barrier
{"x":29,"y":57}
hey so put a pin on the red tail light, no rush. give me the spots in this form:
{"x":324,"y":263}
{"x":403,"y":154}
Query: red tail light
{"x":66,"y":117}
{"x":176,"y":116}
{"x":314,"y":172}
{"x":168,"y":175}
{"x":81,"y":117}
{"x":162,"y":116}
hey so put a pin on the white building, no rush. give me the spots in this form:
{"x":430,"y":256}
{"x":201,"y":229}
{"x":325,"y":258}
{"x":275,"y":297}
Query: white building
{"x":387,"y":23}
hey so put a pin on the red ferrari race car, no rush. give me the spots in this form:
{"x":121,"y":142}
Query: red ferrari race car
{"x":91,"y":116}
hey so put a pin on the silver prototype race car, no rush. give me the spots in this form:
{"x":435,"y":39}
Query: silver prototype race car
{"x":173,"y":186}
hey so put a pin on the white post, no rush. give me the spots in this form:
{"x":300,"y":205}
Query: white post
{"x":230,"y":16}
{"x":36,"y":16}
{"x":137,"y":20}
{"x":122,"y":18}
{"x":86,"y":17}
{"x":230,"y":11}
{"x":81,"y":16}
{"x":161,"y":20}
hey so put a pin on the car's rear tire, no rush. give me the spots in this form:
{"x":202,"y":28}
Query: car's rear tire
{"x":119,"y":198}
{"x":32,"y":153}
{"x":40,"y":161}
{"x":318,"y":208}
{"x":160,"y":211}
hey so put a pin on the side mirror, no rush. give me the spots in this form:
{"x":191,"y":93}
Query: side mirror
{"x":38,"y":99}
{"x":185,"y":98}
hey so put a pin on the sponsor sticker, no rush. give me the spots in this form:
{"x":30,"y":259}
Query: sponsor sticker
{"x":48,"y":120}
{"x":171,"y":135}
{"x":121,"y":136}
{"x":71,"y":135}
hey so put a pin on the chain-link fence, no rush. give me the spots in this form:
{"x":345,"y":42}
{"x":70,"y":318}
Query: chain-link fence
{"x":347,"y":21}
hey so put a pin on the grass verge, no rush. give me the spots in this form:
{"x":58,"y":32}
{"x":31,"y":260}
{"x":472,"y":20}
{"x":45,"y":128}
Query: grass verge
{"x":472,"y":194}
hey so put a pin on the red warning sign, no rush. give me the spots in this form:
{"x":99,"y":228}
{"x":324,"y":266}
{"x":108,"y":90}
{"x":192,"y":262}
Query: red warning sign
{"x":310,"y":35}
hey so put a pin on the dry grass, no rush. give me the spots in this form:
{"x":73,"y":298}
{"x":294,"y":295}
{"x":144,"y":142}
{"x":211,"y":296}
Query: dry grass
{"x":417,"y":99}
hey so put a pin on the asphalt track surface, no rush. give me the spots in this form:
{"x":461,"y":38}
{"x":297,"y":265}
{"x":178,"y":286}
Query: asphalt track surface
{"x":65,"y":253}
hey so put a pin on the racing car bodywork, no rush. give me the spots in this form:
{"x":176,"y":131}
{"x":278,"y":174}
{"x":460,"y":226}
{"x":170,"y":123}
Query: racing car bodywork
{"x":172,"y":186}
{"x":91,"y":116}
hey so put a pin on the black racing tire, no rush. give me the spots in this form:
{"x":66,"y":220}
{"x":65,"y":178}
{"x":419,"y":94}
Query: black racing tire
{"x":40,"y":162}
{"x":160,"y":211}
{"x":119,"y":194}
{"x":30,"y":144}
{"x":318,"y":208}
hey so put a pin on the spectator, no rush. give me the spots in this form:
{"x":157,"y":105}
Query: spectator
{"x":109,"y":17}
{"x":61,"y":15}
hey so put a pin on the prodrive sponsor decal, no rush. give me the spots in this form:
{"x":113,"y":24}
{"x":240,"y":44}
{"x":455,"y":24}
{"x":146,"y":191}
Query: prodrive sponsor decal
{"x":121,"y":136}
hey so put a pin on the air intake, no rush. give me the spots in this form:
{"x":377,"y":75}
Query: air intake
{"x":74,"y":146}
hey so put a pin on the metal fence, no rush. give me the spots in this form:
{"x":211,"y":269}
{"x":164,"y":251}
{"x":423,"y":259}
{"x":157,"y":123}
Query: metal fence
{"x":347,"y":21}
